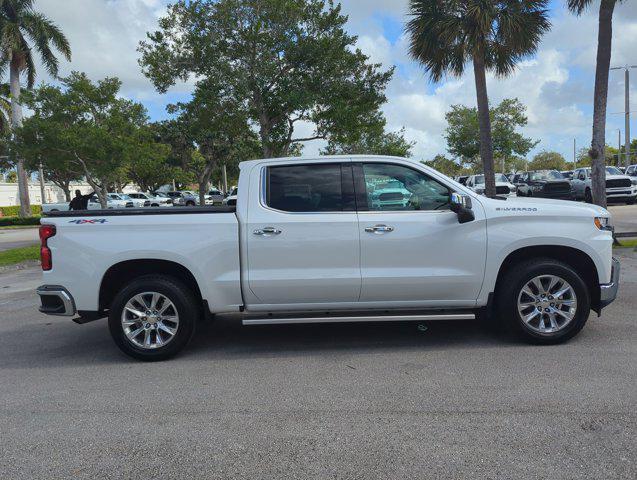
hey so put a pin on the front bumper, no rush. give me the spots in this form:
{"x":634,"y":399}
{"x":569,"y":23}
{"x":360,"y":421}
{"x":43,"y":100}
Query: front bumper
{"x":56,"y":300}
{"x":608,"y":291}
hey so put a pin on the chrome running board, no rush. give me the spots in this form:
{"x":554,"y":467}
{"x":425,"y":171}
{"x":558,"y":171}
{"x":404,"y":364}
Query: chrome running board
{"x":358,"y":318}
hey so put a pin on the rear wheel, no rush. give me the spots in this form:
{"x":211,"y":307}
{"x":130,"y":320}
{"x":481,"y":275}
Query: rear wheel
{"x":543,"y":301}
{"x":153,"y":317}
{"x":588,"y":196}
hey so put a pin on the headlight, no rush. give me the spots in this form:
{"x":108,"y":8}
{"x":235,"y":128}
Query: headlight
{"x":634,"y":180}
{"x":513,"y":188}
{"x":536,"y":188}
{"x":479,"y":190}
{"x":603,"y":223}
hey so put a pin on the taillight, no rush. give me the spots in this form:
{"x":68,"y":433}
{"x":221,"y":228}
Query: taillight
{"x":46,"y":232}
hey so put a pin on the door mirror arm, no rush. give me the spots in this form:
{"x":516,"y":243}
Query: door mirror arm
{"x":461,"y":206}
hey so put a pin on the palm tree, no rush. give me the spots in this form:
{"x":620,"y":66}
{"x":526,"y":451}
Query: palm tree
{"x":493,"y":34}
{"x":23,"y":31}
{"x":600,"y":97}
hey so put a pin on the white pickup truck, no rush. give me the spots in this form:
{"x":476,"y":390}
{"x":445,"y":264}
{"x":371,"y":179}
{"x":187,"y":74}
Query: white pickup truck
{"x":306,"y":243}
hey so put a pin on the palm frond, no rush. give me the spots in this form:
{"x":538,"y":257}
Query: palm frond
{"x":445,"y":34}
{"x":44,"y":32}
{"x":578,"y":6}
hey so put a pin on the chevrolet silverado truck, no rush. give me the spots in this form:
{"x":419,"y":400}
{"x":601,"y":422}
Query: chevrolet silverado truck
{"x":307,"y":243}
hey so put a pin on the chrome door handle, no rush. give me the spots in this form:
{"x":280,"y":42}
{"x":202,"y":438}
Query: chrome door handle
{"x":379,"y":229}
{"x":267,"y":231}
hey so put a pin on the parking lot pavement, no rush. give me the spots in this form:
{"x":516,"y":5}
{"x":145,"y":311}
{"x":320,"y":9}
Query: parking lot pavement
{"x":624,"y":217}
{"x":453,"y":400}
{"x":19,"y":237}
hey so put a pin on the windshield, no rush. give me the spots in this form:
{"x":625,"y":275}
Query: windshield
{"x":499,"y":177}
{"x":613,"y":171}
{"x":123,"y":196}
{"x":546,"y":175}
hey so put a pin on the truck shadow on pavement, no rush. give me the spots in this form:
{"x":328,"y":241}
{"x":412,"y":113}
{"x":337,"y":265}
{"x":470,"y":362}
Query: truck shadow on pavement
{"x":58,"y":345}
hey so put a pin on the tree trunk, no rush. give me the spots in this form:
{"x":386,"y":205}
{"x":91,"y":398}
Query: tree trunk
{"x":67,"y":191}
{"x":486,"y":142}
{"x":202,"y":192}
{"x":600,"y":100}
{"x":16,"y":122}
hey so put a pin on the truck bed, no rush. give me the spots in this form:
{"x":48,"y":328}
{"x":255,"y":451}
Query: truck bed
{"x":122,"y":212}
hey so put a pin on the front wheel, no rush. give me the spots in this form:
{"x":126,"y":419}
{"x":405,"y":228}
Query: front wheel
{"x":543,"y":301}
{"x":588,"y":196}
{"x":153,"y":317}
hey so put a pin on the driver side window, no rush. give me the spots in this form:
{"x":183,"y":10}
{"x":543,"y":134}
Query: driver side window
{"x":391,"y":187}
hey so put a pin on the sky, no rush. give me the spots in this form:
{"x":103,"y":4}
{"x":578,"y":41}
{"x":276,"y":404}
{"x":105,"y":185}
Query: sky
{"x":556,"y":84}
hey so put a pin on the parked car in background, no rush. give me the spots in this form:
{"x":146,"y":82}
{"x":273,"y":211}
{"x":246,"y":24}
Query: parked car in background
{"x":544,"y":184}
{"x":503,"y":186}
{"x":462,"y":179}
{"x":214,"y":197}
{"x":124,"y":200}
{"x":619,"y":187}
{"x":232,"y":198}
{"x":151,"y":200}
{"x":93,"y":204}
{"x":631,"y":171}
{"x":183,"y":199}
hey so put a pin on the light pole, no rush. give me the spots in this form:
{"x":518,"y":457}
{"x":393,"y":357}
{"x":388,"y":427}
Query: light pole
{"x":626,"y":109}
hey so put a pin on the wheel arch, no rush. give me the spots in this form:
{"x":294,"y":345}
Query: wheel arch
{"x":577,"y":259}
{"x":123,"y":272}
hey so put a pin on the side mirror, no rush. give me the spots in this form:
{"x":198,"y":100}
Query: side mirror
{"x":461,"y":206}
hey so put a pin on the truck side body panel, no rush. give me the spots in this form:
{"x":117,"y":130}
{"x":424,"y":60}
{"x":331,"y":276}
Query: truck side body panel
{"x":85,"y":247}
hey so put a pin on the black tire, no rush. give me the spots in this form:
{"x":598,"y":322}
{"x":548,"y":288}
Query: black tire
{"x":190,"y":204}
{"x":588,"y":196}
{"x":184,"y":303}
{"x":517,"y":278}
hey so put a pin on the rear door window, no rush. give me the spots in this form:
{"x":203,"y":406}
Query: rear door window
{"x":320,"y":187}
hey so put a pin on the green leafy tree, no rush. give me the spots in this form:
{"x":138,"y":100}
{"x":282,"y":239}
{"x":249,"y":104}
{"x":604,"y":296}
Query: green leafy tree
{"x":600,"y":95}
{"x":463,"y":132}
{"x":287,"y":61}
{"x":90,"y":125}
{"x":11,"y":176}
{"x":24,"y":33}
{"x":584,"y":158}
{"x":446,"y":165}
{"x":546,"y":160}
{"x":216,"y":126}
{"x":494,"y":35}
{"x":147,"y":161}
{"x":375,"y":141}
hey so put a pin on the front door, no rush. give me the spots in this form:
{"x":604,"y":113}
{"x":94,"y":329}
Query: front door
{"x":302,"y":237}
{"x":414,"y":253}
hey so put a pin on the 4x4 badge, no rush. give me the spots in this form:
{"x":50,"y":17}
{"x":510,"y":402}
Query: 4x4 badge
{"x":92,"y":221}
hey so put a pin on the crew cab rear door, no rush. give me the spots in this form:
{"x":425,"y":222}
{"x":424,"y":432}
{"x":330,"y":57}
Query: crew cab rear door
{"x":414,"y":252}
{"x":302,"y":236}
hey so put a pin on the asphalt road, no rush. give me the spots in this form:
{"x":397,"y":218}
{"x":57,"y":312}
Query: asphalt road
{"x":340,"y":401}
{"x":19,"y":237}
{"x":624,"y":218}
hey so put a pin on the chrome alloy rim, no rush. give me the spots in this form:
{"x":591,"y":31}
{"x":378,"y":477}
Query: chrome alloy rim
{"x":547,"y":304}
{"x":150,"y":320}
